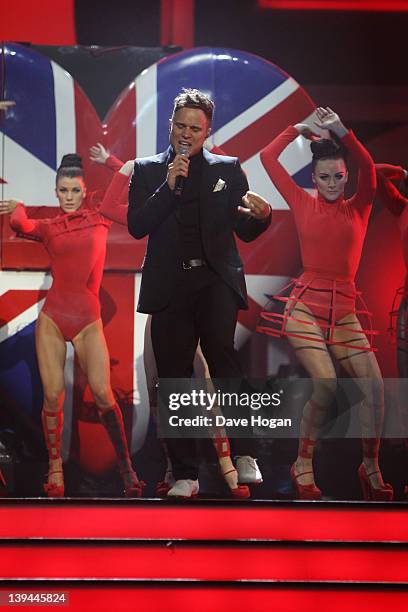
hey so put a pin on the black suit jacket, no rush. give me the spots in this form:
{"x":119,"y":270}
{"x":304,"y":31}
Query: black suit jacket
{"x":151,"y":212}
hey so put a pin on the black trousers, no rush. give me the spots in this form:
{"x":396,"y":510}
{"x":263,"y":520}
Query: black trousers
{"x":203,"y":308}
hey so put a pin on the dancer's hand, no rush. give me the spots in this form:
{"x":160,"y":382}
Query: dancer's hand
{"x":98,"y":154}
{"x":255,"y":206}
{"x":127,"y":168}
{"x":329,"y":120}
{"x":306,"y":131}
{"x":7,"y":206}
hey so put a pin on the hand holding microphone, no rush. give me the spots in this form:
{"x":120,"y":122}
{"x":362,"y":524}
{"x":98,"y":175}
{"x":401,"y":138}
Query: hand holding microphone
{"x":177,"y":171}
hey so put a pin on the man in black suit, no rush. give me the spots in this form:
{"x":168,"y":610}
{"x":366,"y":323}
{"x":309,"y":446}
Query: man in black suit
{"x":193,"y":281}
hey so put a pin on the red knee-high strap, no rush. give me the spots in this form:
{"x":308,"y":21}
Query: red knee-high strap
{"x":306,"y":447}
{"x":112,"y":420}
{"x":222,"y":447}
{"x":306,"y":442}
{"x":53,"y":431}
{"x":371,"y":447}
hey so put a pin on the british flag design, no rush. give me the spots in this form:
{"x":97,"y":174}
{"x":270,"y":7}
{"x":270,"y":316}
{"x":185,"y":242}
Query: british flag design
{"x":254,"y":99}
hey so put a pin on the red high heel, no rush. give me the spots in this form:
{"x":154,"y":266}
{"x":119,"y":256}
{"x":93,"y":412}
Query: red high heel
{"x":305,"y":492}
{"x":240,"y":491}
{"x":133,"y":486}
{"x":52,"y":426}
{"x":112,"y":420}
{"x":53,"y":489}
{"x":223,"y":450}
{"x":164,"y":486}
{"x":370,"y":493}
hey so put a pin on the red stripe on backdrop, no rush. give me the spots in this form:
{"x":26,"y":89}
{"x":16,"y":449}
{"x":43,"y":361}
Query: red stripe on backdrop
{"x":41,"y":23}
{"x":260,"y":132}
{"x":12,"y":303}
{"x":118,"y":311}
{"x":89,"y":131}
{"x":120,"y":125}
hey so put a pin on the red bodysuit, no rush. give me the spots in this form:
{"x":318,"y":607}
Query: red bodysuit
{"x":331,"y":236}
{"x":76,"y":244}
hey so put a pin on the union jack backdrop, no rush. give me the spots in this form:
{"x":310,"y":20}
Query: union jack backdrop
{"x":254,"y":100}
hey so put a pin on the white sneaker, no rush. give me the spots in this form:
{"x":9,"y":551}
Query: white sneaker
{"x":184,"y":488}
{"x":248,"y":470}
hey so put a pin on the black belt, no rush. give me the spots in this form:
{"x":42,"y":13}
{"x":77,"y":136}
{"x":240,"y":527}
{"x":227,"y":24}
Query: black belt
{"x":188,"y":264}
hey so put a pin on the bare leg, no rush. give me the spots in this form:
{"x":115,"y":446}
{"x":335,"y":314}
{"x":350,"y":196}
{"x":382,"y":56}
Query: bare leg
{"x":51,"y":354}
{"x":313,"y":355}
{"x":90,"y":346}
{"x":219,"y":435}
{"x":362,"y":365}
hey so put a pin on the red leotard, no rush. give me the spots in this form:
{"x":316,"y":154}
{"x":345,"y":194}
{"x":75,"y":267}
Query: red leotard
{"x":115,"y":202}
{"x":331,"y":234}
{"x":76,"y":243}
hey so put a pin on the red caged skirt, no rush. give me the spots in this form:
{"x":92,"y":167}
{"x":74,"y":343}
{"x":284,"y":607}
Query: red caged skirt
{"x":330,"y":299}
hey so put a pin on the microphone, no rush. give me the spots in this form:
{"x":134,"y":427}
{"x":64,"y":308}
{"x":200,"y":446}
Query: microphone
{"x":180,"y":180}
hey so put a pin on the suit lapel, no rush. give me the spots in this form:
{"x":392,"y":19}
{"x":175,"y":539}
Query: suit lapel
{"x":162,"y":165}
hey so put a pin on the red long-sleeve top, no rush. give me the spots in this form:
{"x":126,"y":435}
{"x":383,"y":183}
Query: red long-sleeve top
{"x":331,"y":234}
{"x":76,"y":243}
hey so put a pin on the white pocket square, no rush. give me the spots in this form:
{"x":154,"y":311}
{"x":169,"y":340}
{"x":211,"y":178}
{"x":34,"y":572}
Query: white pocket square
{"x":219,"y":185}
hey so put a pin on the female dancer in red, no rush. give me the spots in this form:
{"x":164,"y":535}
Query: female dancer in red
{"x":320,"y":317}
{"x":76,"y":242}
{"x":397,"y":204}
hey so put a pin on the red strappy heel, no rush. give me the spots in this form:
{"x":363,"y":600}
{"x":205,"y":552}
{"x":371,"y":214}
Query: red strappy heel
{"x":164,"y":486}
{"x":52,"y":489}
{"x":52,"y":434}
{"x":133,"y":486}
{"x":239,"y":491}
{"x":112,"y":420}
{"x":305,"y":492}
{"x":370,"y":493}
{"x":223,"y":450}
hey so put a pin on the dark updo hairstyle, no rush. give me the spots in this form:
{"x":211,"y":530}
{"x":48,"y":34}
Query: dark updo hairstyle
{"x":326,"y":148}
{"x":70,"y":167}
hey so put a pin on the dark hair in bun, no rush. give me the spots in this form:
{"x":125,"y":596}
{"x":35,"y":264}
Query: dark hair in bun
{"x":70,"y":167}
{"x":326,"y":149}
